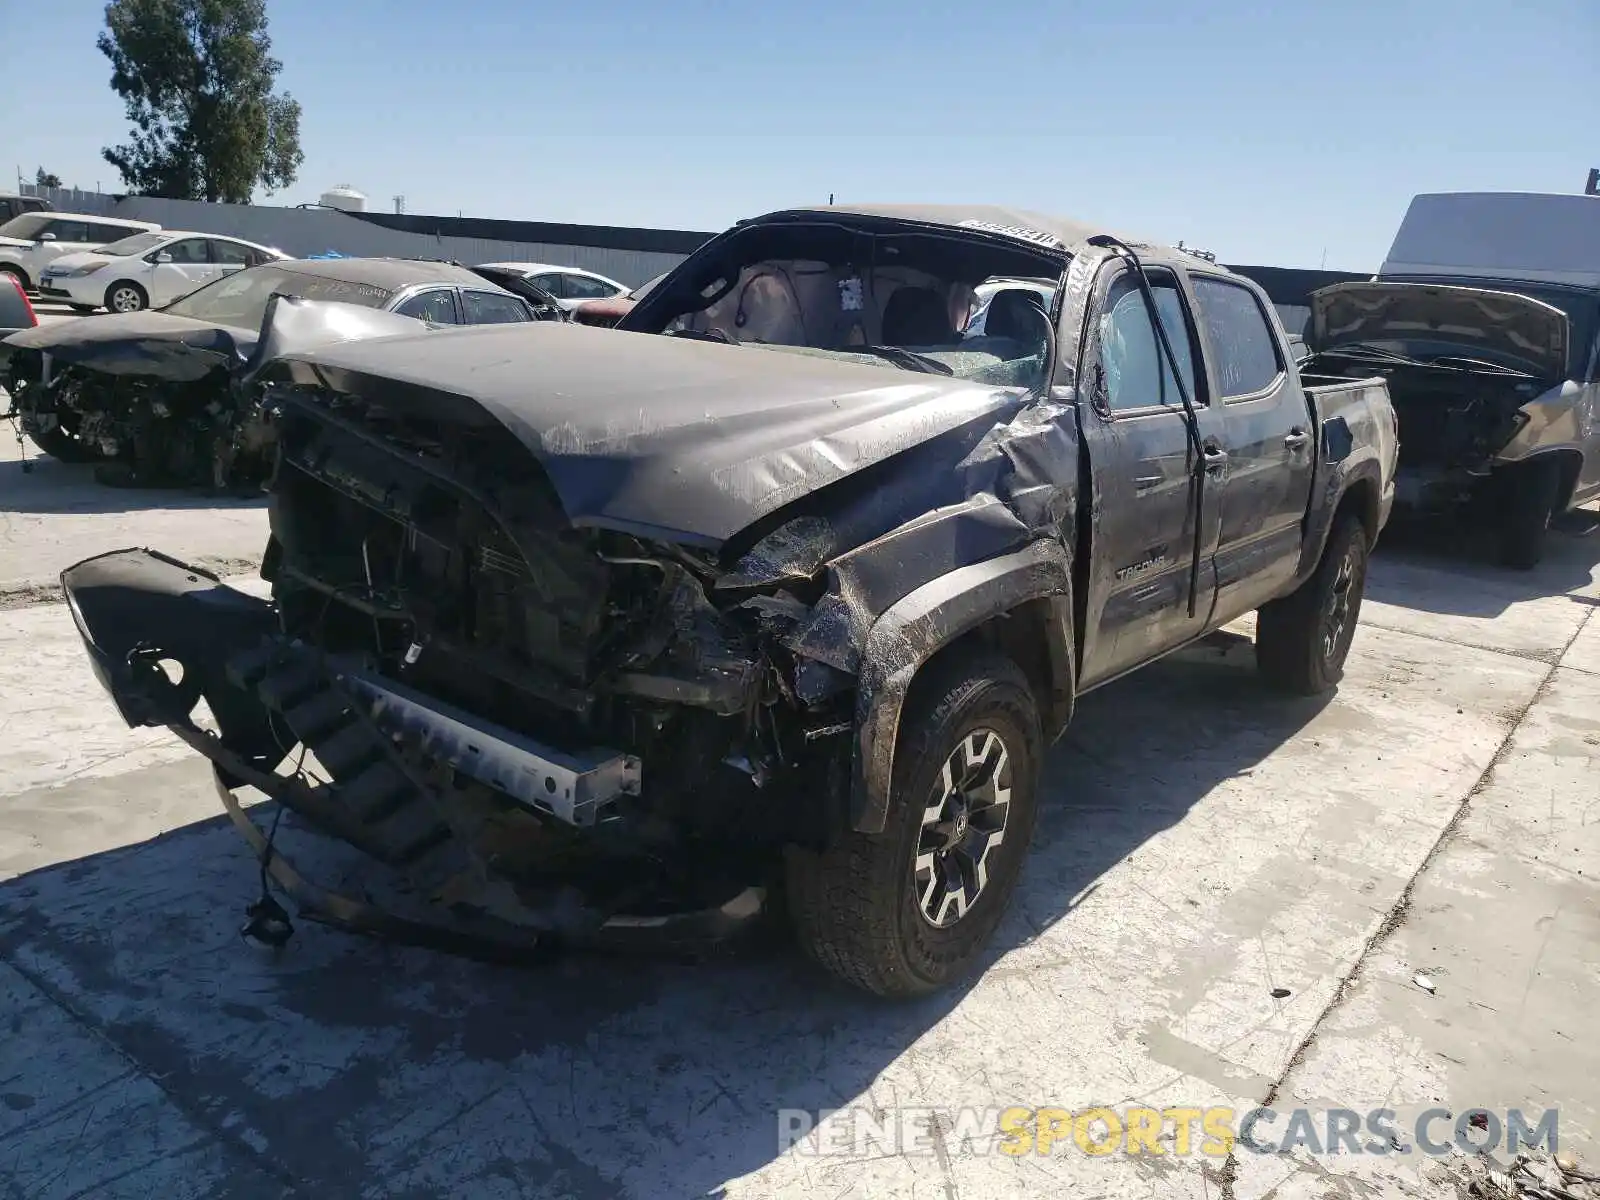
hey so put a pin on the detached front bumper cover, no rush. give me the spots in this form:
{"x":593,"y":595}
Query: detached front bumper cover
{"x":160,"y":635}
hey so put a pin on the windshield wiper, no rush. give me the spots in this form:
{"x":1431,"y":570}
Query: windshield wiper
{"x":901,"y":357}
{"x":1478,"y":364}
{"x":1374,"y":354}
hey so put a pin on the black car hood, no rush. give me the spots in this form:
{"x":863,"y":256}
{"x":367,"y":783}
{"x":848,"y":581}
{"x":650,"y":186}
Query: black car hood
{"x":1479,"y":319}
{"x":176,"y":349}
{"x":657,"y":435}
{"x":142,"y":343}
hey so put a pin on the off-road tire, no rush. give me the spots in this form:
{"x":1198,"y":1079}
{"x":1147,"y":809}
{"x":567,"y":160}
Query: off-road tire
{"x":855,"y":906}
{"x":1527,"y":500}
{"x":124,"y":285}
{"x":1292,"y":634}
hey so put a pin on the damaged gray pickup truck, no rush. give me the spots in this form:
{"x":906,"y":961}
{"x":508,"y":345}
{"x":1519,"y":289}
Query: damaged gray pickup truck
{"x":784,"y":586}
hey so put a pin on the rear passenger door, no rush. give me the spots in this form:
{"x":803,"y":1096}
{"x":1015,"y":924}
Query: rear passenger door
{"x":1270,"y":444}
{"x":1144,"y":470}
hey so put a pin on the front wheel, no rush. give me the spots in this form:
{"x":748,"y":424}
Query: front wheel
{"x":907,"y":911}
{"x":1302,"y":640}
{"x":1528,"y":498}
{"x":126,"y":297}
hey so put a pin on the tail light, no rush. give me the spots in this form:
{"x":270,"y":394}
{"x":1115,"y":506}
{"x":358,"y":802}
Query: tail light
{"x":27,"y":305}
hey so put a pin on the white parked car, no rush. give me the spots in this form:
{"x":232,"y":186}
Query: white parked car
{"x":148,"y":270}
{"x":33,"y":241}
{"x":570,"y":286}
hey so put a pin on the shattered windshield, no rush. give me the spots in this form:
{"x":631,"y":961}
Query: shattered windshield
{"x":241,"y":299}
{"x":897,"y":300}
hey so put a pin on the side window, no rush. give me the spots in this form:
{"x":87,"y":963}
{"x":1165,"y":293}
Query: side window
{"x":1137,"y":373}
{"x":486,"y":308}
{"x":189,"y":252}
{"x":1241,"y":339}
{"x":581,"y":287}
{"x":104,"y":235}
{"x":230,"y":254}
{"x":68,"y":231}
{"x":553,"y":282}
{"x":437,"y":306}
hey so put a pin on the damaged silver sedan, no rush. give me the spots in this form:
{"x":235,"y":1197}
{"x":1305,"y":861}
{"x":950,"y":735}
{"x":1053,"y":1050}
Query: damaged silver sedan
{"x":168,"y":396}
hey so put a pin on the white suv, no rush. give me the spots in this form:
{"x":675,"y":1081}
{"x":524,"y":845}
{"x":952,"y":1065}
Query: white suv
{"x":29,"y":242}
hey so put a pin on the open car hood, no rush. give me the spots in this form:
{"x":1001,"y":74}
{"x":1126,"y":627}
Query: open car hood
{"x":158,"y":345}
{"x":656,"y":435}
{"x":1504,"y":324}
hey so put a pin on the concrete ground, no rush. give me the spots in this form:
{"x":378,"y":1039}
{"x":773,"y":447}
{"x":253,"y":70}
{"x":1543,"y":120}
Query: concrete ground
{"x":1228,"y":901}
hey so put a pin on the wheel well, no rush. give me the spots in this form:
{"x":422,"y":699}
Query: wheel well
{"x":1570,"y":465}
{"x":1024,"y":635}
{"x":20,"y":273}
{"x":1361,"y":501}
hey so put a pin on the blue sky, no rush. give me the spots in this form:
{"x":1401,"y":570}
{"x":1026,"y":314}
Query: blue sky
{"x":1270,"y":134}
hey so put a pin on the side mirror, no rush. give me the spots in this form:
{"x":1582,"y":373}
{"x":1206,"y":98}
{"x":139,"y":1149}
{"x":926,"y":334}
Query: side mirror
{"x":47,"y":236}
{"x":162,"y":256}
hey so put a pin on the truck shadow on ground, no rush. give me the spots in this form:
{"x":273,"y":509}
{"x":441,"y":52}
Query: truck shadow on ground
{"x":1450,"y":568}
{"x":52,"y":486}
{"x":346,"y":1066}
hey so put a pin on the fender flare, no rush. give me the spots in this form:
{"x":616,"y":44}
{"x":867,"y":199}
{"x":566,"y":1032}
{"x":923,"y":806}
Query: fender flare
{"x":915,"y":628}
{"x":1320,"y":524}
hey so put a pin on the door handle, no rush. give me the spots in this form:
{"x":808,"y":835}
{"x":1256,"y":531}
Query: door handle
{"x":1214,"y":457}
{"x":1296,"y":438}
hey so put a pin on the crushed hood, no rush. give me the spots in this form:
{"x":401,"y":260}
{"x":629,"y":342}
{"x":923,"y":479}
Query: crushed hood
{"x":657,"y":435}
{"x":1505,"y":324}
{"x":159,"y":345}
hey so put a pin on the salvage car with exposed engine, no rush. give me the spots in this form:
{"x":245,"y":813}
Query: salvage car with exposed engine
{"x":167,"y":396}
{"x":781,"y":588}
{"x":1485,"y":322}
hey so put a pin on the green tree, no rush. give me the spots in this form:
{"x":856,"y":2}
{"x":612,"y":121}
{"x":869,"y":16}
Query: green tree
{"x":43,"y":178}
{"x":196,"y":77}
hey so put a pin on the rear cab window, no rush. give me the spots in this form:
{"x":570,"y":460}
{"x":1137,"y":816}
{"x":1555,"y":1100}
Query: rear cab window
{"x":1243,"y":345}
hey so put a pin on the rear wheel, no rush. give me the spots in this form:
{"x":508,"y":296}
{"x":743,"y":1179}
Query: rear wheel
{"x":1527,"y":501}
{"x":907,"y":911}
{"x":1302,"y":640}
{"x":126,"y":297}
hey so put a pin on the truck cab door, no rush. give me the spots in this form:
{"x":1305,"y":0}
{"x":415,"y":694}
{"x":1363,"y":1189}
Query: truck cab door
{"x":1145,"y":477}
{"x":1271,"y":443}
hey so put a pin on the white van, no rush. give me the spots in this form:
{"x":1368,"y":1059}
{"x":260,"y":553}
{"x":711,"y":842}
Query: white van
{"x":29,"y":242}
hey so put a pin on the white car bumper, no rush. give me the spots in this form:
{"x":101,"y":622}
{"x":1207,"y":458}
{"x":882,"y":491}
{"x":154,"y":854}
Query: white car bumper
{"x":83,"y":289}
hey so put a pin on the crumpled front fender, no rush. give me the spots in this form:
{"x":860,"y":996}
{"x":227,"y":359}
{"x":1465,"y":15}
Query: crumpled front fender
{"x":140,"y":613}
{"x":916,"y":628}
